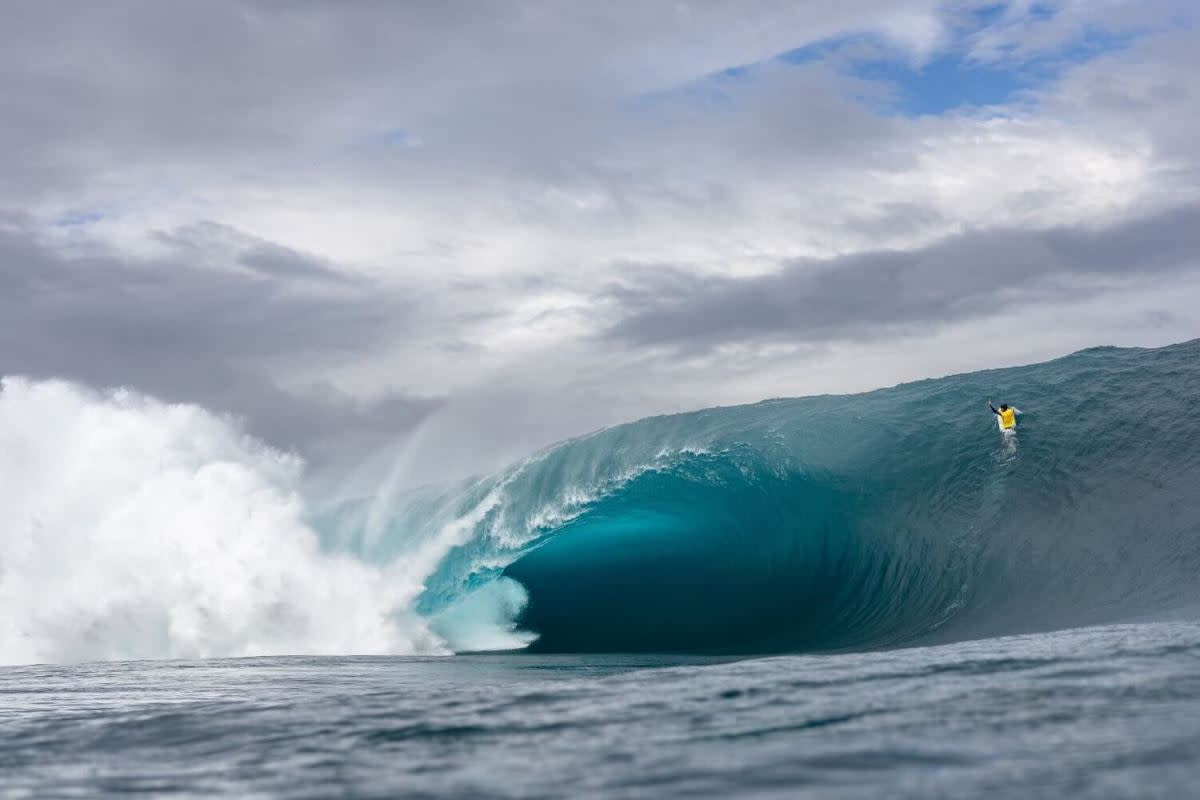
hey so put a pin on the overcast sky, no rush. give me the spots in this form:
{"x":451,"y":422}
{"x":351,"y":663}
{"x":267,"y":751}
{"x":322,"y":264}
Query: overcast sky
{"x":481,"y":227}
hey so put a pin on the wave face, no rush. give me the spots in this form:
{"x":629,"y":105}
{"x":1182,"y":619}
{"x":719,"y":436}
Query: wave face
{"x":863,"y":521}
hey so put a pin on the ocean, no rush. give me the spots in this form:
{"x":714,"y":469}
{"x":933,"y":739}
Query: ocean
{"x":837,"y":596}
{"x":1109,"y":711}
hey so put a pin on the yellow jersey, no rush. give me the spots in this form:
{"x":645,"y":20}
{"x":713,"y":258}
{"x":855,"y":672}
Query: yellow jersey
{"x":1008,"y":418}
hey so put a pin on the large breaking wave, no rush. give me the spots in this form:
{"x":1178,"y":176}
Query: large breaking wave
{"x":898,"y":516}
{"x":862,"y":521}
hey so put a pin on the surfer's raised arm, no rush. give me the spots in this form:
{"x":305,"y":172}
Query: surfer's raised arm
{"x":1007,"y":416}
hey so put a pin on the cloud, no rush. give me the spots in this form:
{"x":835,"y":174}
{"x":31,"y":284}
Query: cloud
{"x":869,"y":295}
{"x":510,"y":222}
{"x":256,"y":81}
{"x":209,"y":241}
{"x":216,"y":333}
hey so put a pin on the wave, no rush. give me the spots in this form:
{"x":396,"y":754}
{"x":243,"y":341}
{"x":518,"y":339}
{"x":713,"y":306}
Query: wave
{"x":865,"y":521}
{"x":139,"y":529}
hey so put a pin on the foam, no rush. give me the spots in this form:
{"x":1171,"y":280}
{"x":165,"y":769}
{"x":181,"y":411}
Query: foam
{"x":137,"y":529}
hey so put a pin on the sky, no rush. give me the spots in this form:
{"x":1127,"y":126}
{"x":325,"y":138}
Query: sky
{"x":478,"y":228}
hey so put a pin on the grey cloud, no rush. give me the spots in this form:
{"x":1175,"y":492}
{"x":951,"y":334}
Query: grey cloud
{"x":897,"y":218}
{"x":206,"y":241}
{"x":202,"y":333}
{"x":507,"y":99}
{"x":518,"y":90}
{"x":282,"y":262}
{"x":193,"y":89}
{"x":867,"y":295}
{"x":1147,"y":95}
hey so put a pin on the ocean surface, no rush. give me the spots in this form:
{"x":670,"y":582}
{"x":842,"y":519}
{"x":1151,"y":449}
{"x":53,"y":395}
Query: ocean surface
{"x":868,"y":595}
{"x":1109,"y":711}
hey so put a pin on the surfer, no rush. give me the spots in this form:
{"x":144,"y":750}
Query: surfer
{"x":1007,"y":416}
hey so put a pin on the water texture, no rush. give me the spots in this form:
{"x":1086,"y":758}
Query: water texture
{"x":1100,"y":712}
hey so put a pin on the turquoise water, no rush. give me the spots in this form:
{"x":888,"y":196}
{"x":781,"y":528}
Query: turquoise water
{"x":901,"y":516}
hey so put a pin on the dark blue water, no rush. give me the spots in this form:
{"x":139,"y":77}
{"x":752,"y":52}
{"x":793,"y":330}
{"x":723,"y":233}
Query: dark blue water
{"x":1096,"y":712}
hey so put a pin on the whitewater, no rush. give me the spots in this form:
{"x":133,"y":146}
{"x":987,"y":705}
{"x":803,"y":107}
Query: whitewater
{"x":840,"y":595}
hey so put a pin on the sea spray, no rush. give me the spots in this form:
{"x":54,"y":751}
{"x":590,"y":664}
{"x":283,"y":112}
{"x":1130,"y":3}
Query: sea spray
{"x":137,"y":529}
